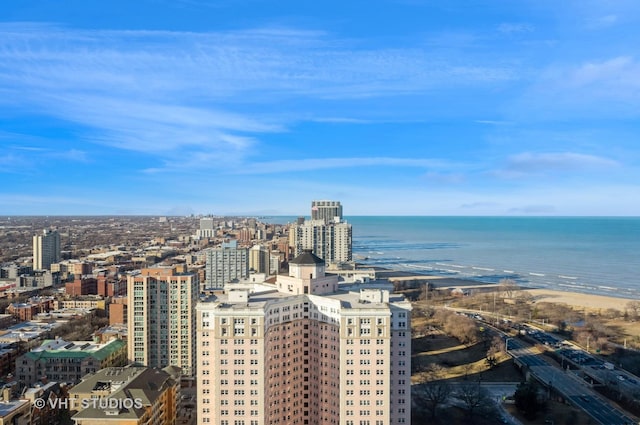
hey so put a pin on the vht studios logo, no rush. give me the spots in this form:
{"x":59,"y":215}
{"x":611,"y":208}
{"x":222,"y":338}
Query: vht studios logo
{"x":84,"y":403}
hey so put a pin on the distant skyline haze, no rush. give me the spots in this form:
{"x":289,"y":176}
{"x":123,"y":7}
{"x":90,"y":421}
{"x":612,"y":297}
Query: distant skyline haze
{"x":243,"y":108}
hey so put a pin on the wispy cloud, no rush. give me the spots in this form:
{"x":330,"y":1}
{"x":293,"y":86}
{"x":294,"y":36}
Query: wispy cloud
{"x":512,"y":28}
{"x":308,"y":164}
{"x":534,"y":209}
{"x":603,"y":89}
{"x":494,"y":122}
{"x":444,"y":177}
{"x":528,"y":163}
{"x":158,"y":91}
{"x":480,"y":205}
{"x":602,"y":21}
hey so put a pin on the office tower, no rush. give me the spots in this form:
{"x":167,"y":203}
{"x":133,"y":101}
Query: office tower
{"x":46,"y":249}
{"x":160,"y":318}
{"x":259,"y":259}
{"x":224,"y":264}
{"x":302,"y":352}
{"x":327,"y":211}
{"x":330,"y":241}
{"x":207,"y":228}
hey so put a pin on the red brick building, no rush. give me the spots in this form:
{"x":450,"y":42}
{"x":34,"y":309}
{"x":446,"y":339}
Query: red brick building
{"x":82,"y":286}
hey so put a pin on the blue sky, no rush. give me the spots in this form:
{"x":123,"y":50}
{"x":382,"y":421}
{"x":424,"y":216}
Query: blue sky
{"x":410,"y":107}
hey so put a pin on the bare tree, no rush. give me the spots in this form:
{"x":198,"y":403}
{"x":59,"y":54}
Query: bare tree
{"x":433,"y":395}
{"x":494,"y":352}
{"x":633,"y":309}
{"x":474,"y":397}
{"x":508,"y":287}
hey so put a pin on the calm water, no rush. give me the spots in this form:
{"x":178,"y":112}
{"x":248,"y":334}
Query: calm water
{"x":595,"y":255}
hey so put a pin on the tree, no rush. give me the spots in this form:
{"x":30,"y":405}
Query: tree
{"x":494,"y":351}
{"x":474,"y":397}
{"x":508,"y":287}
{"x":528,"y":399}
{"x":432,"y":395}
{"x":633,"y":309}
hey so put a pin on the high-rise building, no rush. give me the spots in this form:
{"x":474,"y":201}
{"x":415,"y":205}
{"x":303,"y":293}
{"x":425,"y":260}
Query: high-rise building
{"x":46,"y":249}
{"x":302,"y":351}
{"x":207,"y":228}
{"x":330,"y":241}
{"x":259,"y":259}
{"x":160,"y":319}
{"x":327,"y":211}
{"x":224,"y":264}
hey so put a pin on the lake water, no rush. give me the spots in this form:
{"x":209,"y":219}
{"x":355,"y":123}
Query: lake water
{"x":584,"y":254}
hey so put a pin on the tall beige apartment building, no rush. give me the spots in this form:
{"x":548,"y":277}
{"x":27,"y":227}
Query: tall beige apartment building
{"x":161,"y":319}
{"x":304,"y":351}
{"x":259,"y":259}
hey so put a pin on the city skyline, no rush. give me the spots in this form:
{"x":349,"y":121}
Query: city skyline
{"x":409,"y":108}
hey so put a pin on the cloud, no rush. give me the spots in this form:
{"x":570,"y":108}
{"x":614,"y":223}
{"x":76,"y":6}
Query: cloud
{"x":161,"y":91}
{"x":513,"y":28}
{"x":480,"y":205}
{"x":341,"y":120}
{"x":445,"y":178}
{"x":603,"y":89}
{"x":527,"y":163}
{"x":307,"y":164}
{"x":71,"y":155}
{"x":602,"y":21}
{"x":534,"y":209}
{"x":493,"y":122}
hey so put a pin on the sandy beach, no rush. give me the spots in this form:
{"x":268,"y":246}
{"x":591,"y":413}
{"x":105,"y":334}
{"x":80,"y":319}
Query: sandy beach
{"x":575,"y":299}
{"x":589,"y":301}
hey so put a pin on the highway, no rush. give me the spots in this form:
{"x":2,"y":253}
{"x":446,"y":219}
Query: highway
{"x":567,"y":384}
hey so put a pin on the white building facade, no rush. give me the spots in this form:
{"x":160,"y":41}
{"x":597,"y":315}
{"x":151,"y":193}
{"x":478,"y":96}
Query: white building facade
{"x":224,"y":264}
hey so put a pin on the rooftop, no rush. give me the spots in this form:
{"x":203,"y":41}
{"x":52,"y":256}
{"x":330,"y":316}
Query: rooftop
{"x":142,"y":384}
{"x":60,"y":348}
{"x":6,"y":408}
{"x":307,"y":257}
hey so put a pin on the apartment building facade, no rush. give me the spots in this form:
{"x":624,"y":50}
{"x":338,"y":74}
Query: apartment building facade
{"x":161,"y":320}
{"x":46,"y":249}
{"x":304,"y":351}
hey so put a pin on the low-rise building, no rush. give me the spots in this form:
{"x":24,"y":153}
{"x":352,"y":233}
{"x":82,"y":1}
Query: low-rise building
{"x":15,"y":412}
{"x":54,"y":408}
{"x":95,"y":302}
{"x":127,"y":396}
{"x":26,"y":311}
{"x":63,"y":361}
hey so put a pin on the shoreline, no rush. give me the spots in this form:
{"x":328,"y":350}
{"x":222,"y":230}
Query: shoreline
{"x":572,"y":298}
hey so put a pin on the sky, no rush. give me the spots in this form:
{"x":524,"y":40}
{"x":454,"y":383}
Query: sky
{"x":408,"y":107}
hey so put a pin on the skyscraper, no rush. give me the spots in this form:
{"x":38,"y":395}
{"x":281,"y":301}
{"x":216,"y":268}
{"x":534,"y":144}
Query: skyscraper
{"x":161,"y":322}
{"x":326,"y":211}
{"x":226,"y":263}
{"x":259,"y":259}
{"x":302,"y":351}
{"x":330,"y":241}
{"x":46,"y":249}
{"x":326,"y":234}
